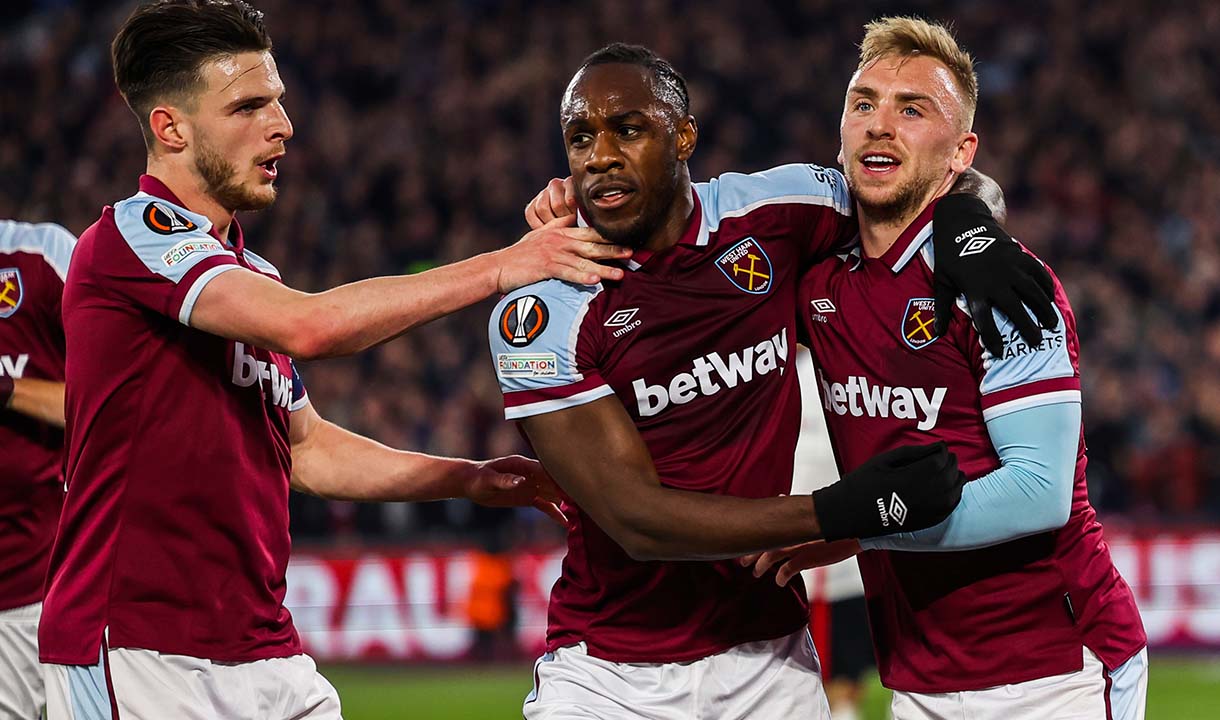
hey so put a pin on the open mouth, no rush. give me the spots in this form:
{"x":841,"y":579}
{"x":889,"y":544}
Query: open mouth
{"x":268,"y":167}
{"x":610,"y":196}
{"x":880,"y":163}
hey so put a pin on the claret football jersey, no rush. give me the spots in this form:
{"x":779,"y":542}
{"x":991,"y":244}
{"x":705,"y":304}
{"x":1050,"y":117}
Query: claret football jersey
{"x":33,"y":262}
{"x":174,"y":535}
{"x":698,"y":343}
{"x":956,"y":621}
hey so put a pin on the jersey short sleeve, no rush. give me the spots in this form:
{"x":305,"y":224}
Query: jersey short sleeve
{"x":55,"y":245}
{"x":175,"y":256}
{"x":299,"y":396}
{"x":540,"y":355}
{"x":1028,"y":376}
{"x":809,"y":201}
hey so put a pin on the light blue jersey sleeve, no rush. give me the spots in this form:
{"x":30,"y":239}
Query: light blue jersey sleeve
{"x":536,"y":336}
{"x":810,"y":202}
{"x":1031,"y":491}
{"x":52,"y":242}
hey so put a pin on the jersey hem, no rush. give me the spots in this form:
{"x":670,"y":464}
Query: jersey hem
{"x":990,"y":681}
{"x":192,"y":295}
{"x":690,"y":656}
{"x":545,"y":406}
{"x":269,"y":653}
{"x":1031,"y":401}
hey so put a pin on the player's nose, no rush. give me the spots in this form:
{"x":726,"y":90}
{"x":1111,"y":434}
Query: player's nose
{"x":280,"y":128}
{"x":880,"y":125}
{"x":604,"y":155}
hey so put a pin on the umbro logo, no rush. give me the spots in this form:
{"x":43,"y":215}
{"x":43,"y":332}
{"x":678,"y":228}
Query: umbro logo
{"x":820,"y":307}
{"x":624,"y":320}
{"x":897,"y":510}
{"x":976,"y":245}
{"x":621,"y":317}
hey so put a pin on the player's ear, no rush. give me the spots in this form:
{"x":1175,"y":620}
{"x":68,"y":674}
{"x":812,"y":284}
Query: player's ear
{"x":963,"y":158}
{"x":168,"y":125}
{"x":688,"y":137}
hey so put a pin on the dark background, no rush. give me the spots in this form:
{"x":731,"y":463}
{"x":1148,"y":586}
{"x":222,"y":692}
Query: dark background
{"x":423,"y":128}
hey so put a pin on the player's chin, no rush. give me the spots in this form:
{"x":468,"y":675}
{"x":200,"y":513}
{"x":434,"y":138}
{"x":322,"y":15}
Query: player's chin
{"x":260,"y":197}
{"x":876,"y":192}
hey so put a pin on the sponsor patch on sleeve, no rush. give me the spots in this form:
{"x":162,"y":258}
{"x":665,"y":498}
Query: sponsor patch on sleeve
{"x":523,"y":319}
{"x":187,"y":248}
{"x":510,"y":365}
{"x":165,"y":220}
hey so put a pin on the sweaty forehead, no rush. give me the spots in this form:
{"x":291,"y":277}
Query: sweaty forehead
{"x":609,"y":90}
{"x":241,"y":73}
{"x":911,"y":73}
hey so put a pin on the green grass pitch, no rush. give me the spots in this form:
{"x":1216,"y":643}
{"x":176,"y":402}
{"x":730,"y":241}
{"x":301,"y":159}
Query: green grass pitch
{"x":1179,"y":689}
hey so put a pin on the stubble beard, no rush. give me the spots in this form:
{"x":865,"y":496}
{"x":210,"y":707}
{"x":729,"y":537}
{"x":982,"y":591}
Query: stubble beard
{"x":637,"y":234}
{"x":902,"y":204}
{"x":220,"y":182}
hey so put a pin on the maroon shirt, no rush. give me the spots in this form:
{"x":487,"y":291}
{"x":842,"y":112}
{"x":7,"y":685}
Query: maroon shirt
{"x":174,"y":535}
{"x":33,"y":262}
{"x":698,"y":343}
{"x":956,"y":621}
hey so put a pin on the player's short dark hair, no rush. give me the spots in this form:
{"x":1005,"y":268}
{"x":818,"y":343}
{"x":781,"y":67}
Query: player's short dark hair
{"x":671,"y":86}
{"x":159,"y":50}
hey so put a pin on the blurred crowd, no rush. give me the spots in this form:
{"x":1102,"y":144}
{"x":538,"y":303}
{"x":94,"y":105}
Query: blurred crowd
{"x":422,"y":129}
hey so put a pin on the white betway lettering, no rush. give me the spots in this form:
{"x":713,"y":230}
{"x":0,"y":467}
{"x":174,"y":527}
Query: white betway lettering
{"x":738,"y":368}
{"x":249,"y":370}
{"x":13,"y":367}
{"x":857,"y":397}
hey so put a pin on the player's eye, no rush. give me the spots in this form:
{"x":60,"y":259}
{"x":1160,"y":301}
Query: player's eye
{"x":911,"y":112}
{"x":629,"y":132}
{"x":863,"y":106}
{"x":580,"y":139}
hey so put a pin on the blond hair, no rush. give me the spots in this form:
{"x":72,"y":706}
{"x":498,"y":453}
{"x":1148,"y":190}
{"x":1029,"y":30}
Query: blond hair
{"x":909,"y":36}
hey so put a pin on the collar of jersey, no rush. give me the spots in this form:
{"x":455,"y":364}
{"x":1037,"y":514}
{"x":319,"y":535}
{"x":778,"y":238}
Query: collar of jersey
{"x":695,"y":235}
{"x":909,"y":242}
{"x":152,"y":186}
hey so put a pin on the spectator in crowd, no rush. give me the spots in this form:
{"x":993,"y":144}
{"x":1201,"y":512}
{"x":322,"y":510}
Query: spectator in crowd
{"x":1105,"y":139}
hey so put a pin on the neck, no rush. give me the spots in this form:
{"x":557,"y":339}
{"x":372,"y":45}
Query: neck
{"x":191,"y":192}
{"x":677,"y":217}
{"x":879,"y":233}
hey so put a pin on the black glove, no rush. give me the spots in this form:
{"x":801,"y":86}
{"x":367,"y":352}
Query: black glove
{"x":975,"y":257}
{"x":909,"y":488}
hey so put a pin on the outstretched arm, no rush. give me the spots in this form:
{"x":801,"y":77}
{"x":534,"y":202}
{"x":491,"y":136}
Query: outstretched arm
{"x":337,"y":464}
{"x":42,"y":400}
{"x":1031,"y":491}
{"x":596,"y":454}
{"x":249,"y":307}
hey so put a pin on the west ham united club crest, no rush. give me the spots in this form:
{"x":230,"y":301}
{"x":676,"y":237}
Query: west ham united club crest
{"x":747,"y":266}
{"x":523,"y":320}
{"x":10,"y":291}
{"x":917,"y":323}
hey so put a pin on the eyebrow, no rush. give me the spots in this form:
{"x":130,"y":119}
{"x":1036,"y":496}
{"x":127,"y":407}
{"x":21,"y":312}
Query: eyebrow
{"x":626,"y":115}
{"x":906,"y":97}
{"x":256,"y":97}
{"x":614,"y":119}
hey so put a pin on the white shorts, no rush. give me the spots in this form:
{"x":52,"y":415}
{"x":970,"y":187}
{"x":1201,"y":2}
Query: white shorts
{"x":147,"y":685}
{"x":778,"y":678}
{"x":1087,"y":694}
{"x":21,"y":694}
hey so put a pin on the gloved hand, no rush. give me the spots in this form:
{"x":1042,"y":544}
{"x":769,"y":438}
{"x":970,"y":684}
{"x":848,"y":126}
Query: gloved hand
{"x":902,"y":490}
{"x":975,"y":257}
